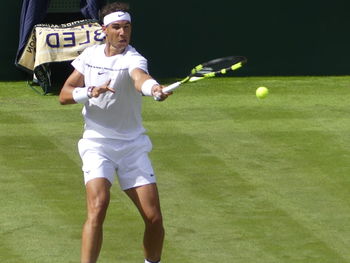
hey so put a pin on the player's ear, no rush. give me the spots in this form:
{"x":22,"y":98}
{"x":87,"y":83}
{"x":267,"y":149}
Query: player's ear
{"x":104,"y":30}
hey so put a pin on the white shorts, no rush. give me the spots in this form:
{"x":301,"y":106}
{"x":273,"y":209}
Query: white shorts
{"x":104,"y":158}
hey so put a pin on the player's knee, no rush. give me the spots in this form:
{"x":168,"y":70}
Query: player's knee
{"x":154,"y":220}
{"x":97,"y":211}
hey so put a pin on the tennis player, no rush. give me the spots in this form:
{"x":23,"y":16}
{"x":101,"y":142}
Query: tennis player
{"x":109,"y":80}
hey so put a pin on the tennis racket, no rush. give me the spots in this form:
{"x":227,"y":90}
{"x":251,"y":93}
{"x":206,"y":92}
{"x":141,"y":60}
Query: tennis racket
{"x":212,"y":68}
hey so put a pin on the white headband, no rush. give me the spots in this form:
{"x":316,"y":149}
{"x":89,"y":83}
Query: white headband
{"x":116,"y":16}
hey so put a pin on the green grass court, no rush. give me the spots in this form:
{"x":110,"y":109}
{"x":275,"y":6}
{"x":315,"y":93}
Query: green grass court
{"x":241,"y":180}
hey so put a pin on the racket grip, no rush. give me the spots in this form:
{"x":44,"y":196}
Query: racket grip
{"x":168,"y":89}
{"x":172,"y":87}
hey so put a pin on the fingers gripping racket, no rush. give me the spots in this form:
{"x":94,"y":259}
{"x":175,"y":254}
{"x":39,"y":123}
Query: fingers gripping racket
{"x":212,"y":68}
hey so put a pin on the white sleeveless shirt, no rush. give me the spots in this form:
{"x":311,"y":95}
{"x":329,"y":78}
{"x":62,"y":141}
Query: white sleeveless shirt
{"x":112,"y":115}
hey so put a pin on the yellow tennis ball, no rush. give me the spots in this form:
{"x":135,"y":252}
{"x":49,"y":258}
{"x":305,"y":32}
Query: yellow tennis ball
{"x":262,"y":92}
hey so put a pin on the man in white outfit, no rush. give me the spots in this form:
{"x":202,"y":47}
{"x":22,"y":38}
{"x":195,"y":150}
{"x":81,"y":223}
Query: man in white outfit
{"x":109,"y":80}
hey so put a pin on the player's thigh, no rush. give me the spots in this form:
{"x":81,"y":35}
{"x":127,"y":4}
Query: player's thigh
{"x":98,"y":195}
{"x":146,"y":199}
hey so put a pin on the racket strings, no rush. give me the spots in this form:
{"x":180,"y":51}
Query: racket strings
{"x":215,"y":67}
{"x":218,"y":66}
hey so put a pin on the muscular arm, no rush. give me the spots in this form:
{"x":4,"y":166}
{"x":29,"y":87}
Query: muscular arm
{"x":76,"y":79}
{"x":139,"y":77}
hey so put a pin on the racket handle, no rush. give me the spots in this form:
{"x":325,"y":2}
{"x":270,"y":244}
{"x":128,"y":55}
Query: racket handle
{"x":168,"y":89}
{"x":172,"y":87}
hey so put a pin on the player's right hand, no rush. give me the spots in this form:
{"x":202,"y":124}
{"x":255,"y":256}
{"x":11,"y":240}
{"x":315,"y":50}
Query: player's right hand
{"x":97,"y":90}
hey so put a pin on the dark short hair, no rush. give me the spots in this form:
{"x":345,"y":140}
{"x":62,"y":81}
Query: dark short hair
{"x":114,"y":7}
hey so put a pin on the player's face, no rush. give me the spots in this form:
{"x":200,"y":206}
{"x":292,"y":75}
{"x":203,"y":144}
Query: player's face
{"x":118,"y":35}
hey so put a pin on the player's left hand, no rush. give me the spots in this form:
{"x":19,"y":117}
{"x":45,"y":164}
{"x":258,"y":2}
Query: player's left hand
{"x":158,"y":93}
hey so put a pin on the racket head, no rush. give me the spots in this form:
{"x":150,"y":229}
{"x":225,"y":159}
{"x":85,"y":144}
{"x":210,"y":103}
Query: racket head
{"x":212,"y":68}
{"x":216,"y":67}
